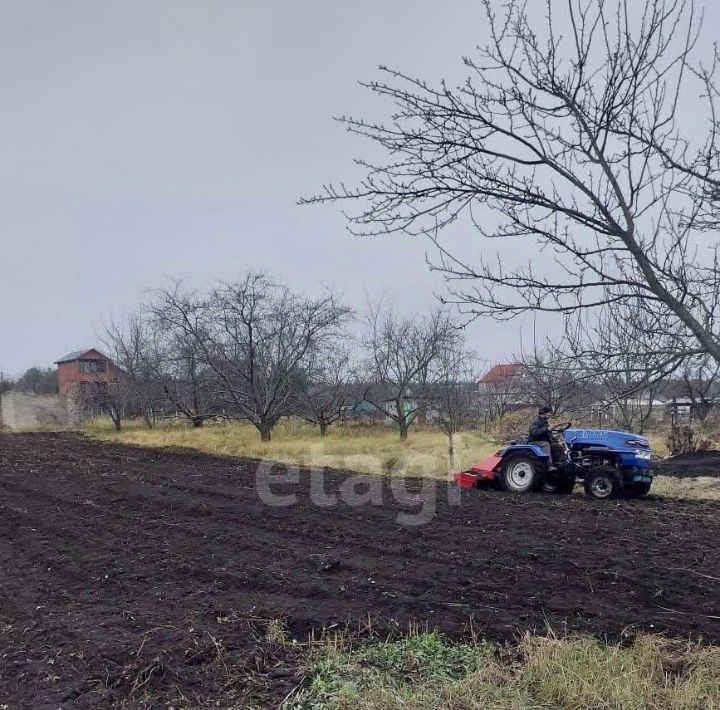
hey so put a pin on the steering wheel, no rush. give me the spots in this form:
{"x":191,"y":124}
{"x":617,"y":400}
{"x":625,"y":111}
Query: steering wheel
{"x":562,"y":428}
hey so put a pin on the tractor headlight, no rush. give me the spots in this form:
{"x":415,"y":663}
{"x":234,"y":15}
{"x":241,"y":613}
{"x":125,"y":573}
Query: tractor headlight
{"x":643,"y":454}
{"x":637,"y":442}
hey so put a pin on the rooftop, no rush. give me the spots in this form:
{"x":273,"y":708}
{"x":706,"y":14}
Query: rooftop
{"x":76,"y":355}
{"x":498,"y":373}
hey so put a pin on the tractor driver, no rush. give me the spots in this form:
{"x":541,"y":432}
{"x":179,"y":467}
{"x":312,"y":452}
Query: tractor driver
{"x":540,"y":433}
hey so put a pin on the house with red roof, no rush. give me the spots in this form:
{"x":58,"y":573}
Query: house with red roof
{"x":503,"y":373}
{"x":503,"y":388}
{"x":82,"y":368}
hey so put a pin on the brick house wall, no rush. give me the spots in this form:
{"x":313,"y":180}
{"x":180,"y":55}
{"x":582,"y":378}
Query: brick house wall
{"x":90,"y":366}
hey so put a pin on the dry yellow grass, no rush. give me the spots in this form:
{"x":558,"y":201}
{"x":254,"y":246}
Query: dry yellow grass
{"x":363,"y":449}
{"x":701,"y":488}
{"x":658,"y":443}
{"x":367,"y":450}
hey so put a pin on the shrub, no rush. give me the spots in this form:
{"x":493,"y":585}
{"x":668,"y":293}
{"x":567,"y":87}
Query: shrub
{"x":710,"y":428}
{"x":684,"y":439}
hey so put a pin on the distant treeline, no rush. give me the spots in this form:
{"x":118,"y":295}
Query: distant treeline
{"x":36,"y":380}
{"x":255,"y":350}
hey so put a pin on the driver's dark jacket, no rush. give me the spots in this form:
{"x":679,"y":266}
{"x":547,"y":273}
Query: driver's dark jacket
{"x":540,"y":431}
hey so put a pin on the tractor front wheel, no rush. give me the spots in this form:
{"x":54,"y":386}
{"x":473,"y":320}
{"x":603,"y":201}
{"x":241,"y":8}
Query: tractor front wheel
{"x":522,"y":474}
{"x":604,"y":482}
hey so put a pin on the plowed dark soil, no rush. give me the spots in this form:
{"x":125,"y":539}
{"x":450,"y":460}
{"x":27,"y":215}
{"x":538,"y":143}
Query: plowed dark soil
{"x":136,"y":578}
{"x":691,"y":465}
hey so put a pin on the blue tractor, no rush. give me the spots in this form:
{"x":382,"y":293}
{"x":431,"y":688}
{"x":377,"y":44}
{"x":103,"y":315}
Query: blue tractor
{"x":610,"y":464}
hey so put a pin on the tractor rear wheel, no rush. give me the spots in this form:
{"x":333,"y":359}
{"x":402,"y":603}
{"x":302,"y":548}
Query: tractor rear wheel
{"x":604,"y":482}
{"x":522,"y":474}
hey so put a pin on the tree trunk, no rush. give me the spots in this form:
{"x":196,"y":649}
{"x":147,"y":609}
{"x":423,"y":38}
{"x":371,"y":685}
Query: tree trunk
{"x":451,"y":452}
{"x":403,"y":426}
{"x":265,"y":432}
{"x":702,"y":411}
{"x":323,"y":428}
{"x":149,"y":419}
{"x":197,"y":422}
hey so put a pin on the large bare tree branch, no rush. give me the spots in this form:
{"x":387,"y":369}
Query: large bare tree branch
{"x":564,"y":143}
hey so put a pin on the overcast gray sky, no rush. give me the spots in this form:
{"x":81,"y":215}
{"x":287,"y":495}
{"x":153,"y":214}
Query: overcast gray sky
{"x":146,"y":140}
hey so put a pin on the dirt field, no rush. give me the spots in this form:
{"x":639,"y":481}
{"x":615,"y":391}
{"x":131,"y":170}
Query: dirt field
{"x":139,"y":578}
{"x":705,"y":464}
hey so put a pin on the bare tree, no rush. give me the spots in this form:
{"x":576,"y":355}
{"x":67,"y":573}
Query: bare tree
{"x":622,"y":379}
{"x":324,"y":385}
{"x":565,"y":138}
{"x":626,"y":338}
{"x":453,"y":393}
{"x":502,"y":390}
{"x":256,"y":335}
{"x":621,"y":401}
{"x":108,"y":398}
{"x":134,"y":348}
{"x":699,"y":383}
{"x":188,"y":381}
{"x":549,"y":381}
{"x":400,"y":355}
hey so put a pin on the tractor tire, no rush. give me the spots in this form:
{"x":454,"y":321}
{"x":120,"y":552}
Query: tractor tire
{"x":637,"y":490}
{"x":604,"y":483}
{"x":563,"y":486}
{"x":522,"y":474}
